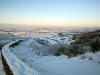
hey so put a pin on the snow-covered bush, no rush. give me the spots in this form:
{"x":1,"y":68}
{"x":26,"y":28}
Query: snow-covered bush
{"x":59,"y":51}
{"x":41,"y":41}
{"x":95,"y":45}
{"x":89,"y":41}
{"x":77,"y":49}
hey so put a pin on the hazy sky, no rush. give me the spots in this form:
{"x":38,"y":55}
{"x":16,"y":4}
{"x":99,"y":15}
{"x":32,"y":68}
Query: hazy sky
{"x":50,"y":12}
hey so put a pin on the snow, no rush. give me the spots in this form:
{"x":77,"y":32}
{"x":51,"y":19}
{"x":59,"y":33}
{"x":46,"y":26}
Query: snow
{"x":52,"y":65}
{"x":5,"y":38}
{"x":16,"y":65}
{"x":27,"y":58}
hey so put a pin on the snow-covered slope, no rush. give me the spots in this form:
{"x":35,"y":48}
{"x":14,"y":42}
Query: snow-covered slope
{"x":34,"y":57}
{"x":5,"y":38}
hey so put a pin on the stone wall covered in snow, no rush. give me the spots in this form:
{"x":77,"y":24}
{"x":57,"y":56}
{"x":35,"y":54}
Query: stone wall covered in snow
{"x":17,"y":66}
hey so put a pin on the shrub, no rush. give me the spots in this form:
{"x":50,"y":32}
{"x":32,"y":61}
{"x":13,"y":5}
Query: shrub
{"x":59,"y":51}
{"x":41,"y":41}
{"x":95,"y":45}
{"x":76,"y":49}
{"x":89,"y":41}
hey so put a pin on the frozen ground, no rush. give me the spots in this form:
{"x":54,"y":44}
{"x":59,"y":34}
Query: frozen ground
{"x":34,"y":57}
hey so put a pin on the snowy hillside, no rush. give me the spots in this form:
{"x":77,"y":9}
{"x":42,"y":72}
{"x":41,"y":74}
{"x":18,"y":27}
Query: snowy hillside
{"x":35,"y":56}
{"x":6,"y":38}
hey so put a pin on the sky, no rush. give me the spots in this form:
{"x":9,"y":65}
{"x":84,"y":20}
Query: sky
{"x":50,"y":12}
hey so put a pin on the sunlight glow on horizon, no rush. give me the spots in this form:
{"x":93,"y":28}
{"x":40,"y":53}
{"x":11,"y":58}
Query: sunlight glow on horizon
{"x":50,"y":12}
